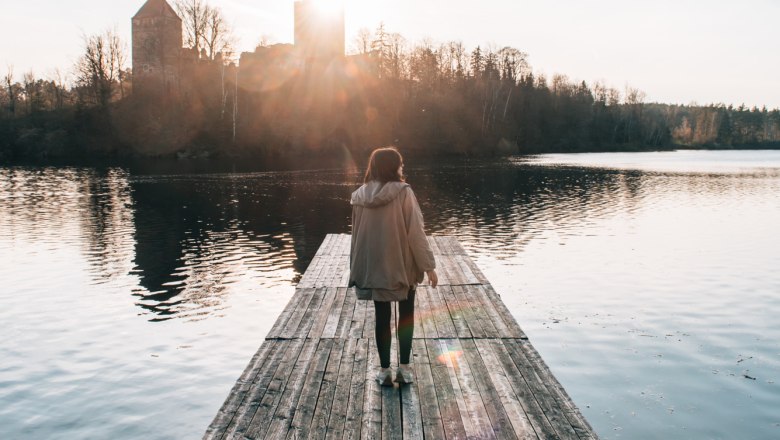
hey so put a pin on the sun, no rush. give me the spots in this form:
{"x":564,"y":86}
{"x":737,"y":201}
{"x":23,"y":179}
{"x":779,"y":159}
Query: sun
{"x":328,"y":8}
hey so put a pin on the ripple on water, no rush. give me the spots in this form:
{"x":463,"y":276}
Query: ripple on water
{"x":133,"y":302}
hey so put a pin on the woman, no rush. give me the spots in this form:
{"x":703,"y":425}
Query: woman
{"x":389,"y":255}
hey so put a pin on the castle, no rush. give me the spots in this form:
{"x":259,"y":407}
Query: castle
{"x":160,"y":61}
{"x":157,"y":46}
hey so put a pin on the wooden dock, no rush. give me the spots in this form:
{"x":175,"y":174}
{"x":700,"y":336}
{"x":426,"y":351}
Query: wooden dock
{"x":476,"y":374}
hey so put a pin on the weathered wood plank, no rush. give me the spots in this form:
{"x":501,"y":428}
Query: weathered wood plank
{"x":445,"y":394}
{"x":347,"y":313}
{"x":276,"y":330}
{"x":429,"y":404}
{"x":334,"y":313}
{"x":248,"y":407}
{"x":573,"y":415}
{"x":269,"y":394}
{"x":455,"y":310}
{"x":551,"y":409}
{"x":511,"y":329}
{"x":441,"y":314}
{"x":372,"y":403}
{"x":478,"y":305}
{"x":327,"y":392}
{"x":321,"y":314}
{"x":354,"y":419}
{"x":228,"y":411}
{"x":294,"y":321}
{"x":500,"y":378}
{"x":338,"y":414}
{"x":472,"y":410}
{"x":468,"y":306}
{"x":426,"y":313}
{"x":285,"y":409}
{"x":500,"y":425}
{"x":304,"y":411}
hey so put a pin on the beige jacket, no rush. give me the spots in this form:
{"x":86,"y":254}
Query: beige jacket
{"x":389,"y":252}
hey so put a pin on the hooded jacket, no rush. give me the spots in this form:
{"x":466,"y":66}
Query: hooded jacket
{"x":389,"y":252}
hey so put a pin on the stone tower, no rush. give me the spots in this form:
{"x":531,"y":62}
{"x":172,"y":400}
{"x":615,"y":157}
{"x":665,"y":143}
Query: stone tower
{"x":318,"y":36}
{"x":157,"y":47}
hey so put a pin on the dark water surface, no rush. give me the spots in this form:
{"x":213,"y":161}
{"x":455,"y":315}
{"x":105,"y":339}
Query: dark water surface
{"x":130,"y":302}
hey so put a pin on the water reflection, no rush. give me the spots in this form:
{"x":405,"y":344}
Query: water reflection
{"x":644,"y":268}
{"x":196,"y":236}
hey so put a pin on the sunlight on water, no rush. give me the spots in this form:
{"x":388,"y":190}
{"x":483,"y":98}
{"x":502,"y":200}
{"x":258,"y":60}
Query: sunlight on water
{"x":131,"y":302}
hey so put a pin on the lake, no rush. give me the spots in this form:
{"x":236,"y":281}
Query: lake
{"x":131,"y":299}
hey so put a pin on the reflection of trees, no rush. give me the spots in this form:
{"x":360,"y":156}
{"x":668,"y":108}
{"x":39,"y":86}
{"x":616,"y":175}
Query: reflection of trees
{"x":197,"y":235}
{"x":503,"y":206}
{"x":107,"y":223}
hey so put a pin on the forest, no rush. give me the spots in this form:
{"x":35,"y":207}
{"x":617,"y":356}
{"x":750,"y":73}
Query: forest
{"x":426,"y":97}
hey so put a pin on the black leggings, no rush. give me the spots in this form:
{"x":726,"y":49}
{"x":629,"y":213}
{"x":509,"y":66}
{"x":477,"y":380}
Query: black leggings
{"x":405,"y":329}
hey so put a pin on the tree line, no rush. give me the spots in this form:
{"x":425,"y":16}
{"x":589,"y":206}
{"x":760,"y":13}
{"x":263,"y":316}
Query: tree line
{"x":436,"y":98}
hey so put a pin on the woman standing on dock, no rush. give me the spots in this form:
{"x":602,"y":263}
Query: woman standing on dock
{"x":389,"y":255}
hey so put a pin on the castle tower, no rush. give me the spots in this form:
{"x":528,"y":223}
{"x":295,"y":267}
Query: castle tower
{"x":319,"y":32}
{"x":157,"y":47}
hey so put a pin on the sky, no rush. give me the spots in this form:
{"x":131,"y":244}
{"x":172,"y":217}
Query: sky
{"x":682,"y":51}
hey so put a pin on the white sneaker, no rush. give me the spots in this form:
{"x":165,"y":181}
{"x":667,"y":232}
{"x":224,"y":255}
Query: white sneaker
{"x":404,"y":375}
{"x":385,"y":377}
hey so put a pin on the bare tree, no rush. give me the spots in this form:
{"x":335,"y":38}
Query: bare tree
{"x":217,"y":38}
{"x":98,"y":70}
{"x":363,"y":40}
{"x":195,"y":18}
{"x":8,"y":81}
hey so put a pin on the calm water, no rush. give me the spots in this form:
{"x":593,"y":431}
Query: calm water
{"x":649,"y":282}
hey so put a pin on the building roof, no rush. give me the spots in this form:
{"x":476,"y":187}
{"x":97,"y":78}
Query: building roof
{"x":156,"y":8}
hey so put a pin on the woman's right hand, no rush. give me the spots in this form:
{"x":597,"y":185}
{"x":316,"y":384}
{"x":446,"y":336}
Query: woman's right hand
{"x":432,"y":278}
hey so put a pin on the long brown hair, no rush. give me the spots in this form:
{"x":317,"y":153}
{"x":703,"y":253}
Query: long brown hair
{"x":383,"y":166}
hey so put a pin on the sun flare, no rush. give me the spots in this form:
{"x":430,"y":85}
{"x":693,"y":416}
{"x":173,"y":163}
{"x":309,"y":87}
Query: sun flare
{"x":328,"y":8}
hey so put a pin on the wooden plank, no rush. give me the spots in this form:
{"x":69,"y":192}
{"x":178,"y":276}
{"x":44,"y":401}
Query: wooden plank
{"x":276,"y":330}
{"x":312,"y":311}
{"x":500,"y":422}
{"x":347,"y":313}
{"x":304,"y":411}
{"x":316,"y":266}
{"x":441,"y":313}
{"x":513,"y":328}
{"x":359,"y":318}
{"x":429,"y":405}
{"x":263,"y":405}
{"x":294,"y":321}
{"x":285,"y":410}
{"x":338,"y":414}
{"x":321,"y":315}
{"x":227,"y":412}
{"x":426,"y":313}
{"x":371,"y":428}
{"x":573,"y":415}
{"x":469,"y":277}
{"x":326,"y":404}
{"x":493,"y":350}
{"x":468,"y":306}
{"x":550,"y":407}
{"x":445,"y":394}
{"x":472,"y":410}
{"x":455,"y":310}
{"x":412,"y":424}
{"x":334,"y":313}
{"x":354,"y":419}
{"x":474,"y":293}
